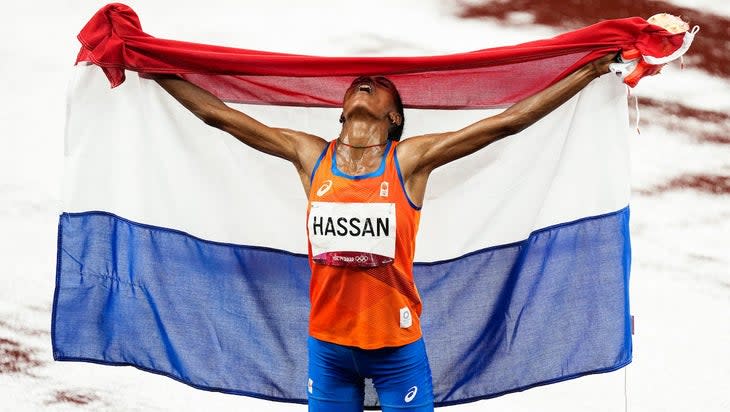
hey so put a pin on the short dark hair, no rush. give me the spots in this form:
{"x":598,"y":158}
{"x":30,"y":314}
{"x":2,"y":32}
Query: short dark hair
{"x":396,"y":131}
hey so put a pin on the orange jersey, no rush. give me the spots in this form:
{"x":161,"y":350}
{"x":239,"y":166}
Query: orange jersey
{"x":362,"y":237}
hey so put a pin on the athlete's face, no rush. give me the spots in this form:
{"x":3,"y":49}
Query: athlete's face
{"x":375,"y":94}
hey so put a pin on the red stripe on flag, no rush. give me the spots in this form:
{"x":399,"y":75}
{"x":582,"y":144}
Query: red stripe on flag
{"x":113,"y":39}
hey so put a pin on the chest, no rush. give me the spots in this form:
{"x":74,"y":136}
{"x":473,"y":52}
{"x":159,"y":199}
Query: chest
{"x":354,"y":165}
{"x":336,"y":189}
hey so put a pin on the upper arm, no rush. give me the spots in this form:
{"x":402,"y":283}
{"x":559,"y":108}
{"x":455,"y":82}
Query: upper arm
{"x":302,"y":149}
{"x":422,"y":154}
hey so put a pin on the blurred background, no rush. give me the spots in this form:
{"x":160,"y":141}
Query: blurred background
{"x":680,"y":281}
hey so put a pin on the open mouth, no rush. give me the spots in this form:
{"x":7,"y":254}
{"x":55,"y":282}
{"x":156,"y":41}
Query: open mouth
{"x":363,"y":84}
{"x":365,"y":87}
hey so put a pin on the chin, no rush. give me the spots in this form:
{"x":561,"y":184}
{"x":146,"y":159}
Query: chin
{"x":359,"y":107}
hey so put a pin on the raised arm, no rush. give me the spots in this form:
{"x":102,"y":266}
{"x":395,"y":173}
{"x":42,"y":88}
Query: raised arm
{"x":300,"y":148}
{"x":419,"y":155}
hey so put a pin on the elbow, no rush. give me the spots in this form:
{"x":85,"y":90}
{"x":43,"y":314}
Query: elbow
{"x":513,"y":123}
{"x":211,"y":116}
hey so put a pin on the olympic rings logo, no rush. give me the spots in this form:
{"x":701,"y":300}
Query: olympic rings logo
{"x":361,"y":259}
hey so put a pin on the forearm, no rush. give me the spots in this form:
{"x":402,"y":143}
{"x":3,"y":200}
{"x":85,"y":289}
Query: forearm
{"x":199,"y":101}
{"x":533,"y":108}
{"x":425,"y":153}
{"x":211,"y":110}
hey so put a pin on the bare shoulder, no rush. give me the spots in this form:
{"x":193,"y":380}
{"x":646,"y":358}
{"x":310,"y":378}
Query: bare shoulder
{"x":302,"y":137}
{"x":307,"y":146}
{"x":413,"y":152}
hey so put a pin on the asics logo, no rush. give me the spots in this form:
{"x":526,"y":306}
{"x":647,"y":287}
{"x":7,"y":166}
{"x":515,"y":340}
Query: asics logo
{"x":324,"y":188}
{"x":411,"y":394}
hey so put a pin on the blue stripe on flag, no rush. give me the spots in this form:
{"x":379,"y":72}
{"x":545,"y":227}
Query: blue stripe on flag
{"x":233,"y":318}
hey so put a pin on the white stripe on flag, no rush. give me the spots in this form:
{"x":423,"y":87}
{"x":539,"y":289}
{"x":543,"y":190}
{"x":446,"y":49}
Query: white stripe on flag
{"x":191,"y":177}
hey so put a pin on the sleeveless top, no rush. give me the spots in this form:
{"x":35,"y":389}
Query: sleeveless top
{"x":361,"y":233}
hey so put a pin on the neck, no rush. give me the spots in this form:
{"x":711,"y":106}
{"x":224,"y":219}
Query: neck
{"x":362,"y":134}
{"x":339,"y":141}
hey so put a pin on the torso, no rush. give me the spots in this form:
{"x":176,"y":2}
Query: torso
{"x":362,"y":229}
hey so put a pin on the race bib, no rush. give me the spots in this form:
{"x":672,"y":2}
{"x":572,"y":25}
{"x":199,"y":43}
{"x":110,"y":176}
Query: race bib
{"x":352,"y":234}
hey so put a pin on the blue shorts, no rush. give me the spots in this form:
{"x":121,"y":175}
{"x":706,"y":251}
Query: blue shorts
{"x":401,"y":377}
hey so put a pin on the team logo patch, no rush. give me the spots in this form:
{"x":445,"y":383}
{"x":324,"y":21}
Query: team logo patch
{"x":405,"y":317}
{"x":326,"y":186}
{"x":384,"y":189}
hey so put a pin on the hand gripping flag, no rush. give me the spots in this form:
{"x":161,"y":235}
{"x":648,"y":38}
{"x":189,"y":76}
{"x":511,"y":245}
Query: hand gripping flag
{"x":183,"y":252}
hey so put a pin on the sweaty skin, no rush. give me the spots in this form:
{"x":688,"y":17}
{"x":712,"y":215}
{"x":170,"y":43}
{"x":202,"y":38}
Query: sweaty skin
{"x":368,"y":112}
